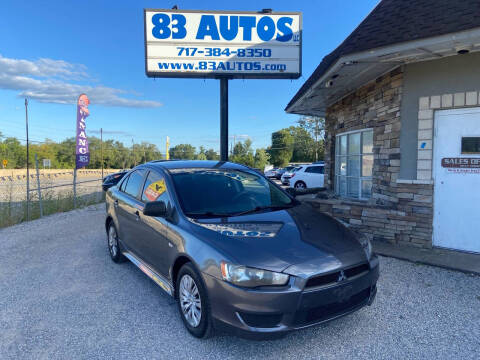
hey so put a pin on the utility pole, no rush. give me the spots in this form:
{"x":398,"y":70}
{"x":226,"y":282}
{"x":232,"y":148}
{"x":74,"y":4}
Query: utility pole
{"x":28,"y":154}
{"x":316,"y":138}
{"x":101,"y":147}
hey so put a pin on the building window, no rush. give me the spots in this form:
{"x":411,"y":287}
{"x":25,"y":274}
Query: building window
{"x":354,"y":164}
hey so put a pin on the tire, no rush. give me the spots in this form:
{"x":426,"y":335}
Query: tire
{"x":300,"y":185}
{"x":202,"y":328}
{"x":113,"y":244}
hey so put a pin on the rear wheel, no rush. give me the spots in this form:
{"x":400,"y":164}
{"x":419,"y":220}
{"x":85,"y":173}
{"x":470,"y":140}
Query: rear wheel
{"x":113,"y":245}
{"x":193,"y":303}
{"x":300,"y":185}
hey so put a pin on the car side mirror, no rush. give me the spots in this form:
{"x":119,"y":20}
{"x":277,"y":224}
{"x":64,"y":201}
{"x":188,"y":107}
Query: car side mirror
{"x":155,"y":208}
{"x":291,"y":191}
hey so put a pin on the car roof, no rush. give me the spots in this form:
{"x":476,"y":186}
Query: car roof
{"x":192,"y":164}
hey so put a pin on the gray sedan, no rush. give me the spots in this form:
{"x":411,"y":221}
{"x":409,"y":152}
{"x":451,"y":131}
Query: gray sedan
{"x":237,"y":252}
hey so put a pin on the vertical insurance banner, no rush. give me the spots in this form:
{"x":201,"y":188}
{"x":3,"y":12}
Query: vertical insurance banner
{"x":82,"y":155}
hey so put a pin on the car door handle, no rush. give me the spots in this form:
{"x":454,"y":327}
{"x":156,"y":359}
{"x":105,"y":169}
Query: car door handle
{"x":137,"y":215}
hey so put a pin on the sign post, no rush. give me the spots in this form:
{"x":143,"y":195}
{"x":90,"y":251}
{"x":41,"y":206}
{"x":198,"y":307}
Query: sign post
{"x":167,"y":149}
{"x":222,"y":45}
{"x":223,"y":119}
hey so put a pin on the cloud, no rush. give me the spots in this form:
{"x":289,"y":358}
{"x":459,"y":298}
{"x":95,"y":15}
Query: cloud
{"x":52,"y":81}
{"x":43,"y":68}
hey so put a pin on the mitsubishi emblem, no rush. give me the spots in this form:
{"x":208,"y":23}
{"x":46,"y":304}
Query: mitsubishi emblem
{"x":341,"y":277}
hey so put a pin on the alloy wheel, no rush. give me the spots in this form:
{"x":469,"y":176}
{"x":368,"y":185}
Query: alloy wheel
{"x":300,"y":185}
{"x":112,"y":241}
{"x":190,"y":300}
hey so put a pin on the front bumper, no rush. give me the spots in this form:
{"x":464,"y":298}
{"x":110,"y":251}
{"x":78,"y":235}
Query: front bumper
{"x":269,"y":313}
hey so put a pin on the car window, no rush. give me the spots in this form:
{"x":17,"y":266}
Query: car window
{"x":155,"y":189}
{"x":218,"y":191}
{"x":124,"y":183}
{"x":314,"y":169}
{"x":135,"y":181}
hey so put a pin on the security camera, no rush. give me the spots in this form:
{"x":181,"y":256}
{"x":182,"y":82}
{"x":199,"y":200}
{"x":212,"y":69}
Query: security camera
{"x":329,"y":83}
{"x":463,"y":49}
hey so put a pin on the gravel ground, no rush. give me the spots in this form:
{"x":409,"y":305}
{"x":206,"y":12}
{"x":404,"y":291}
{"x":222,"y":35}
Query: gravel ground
{"x":61,"y":297}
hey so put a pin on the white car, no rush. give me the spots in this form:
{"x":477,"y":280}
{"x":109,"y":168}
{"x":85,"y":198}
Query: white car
{"x":271,"y":173}
{"x":288,"y":174}
{"x":308,"y":176}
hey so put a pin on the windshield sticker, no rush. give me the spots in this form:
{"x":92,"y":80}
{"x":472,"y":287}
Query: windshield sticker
{"x":260,"y":230}
{"x":154,"y":190}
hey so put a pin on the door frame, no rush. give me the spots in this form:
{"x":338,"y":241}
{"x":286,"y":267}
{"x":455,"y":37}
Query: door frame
{"x":450,"y":111}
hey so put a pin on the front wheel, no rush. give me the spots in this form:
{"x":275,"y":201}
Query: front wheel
{"x":193,"y":302}
{"x":300,"y":185}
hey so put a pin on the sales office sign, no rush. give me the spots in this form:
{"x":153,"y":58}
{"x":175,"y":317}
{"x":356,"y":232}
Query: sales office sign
{"x":211,"y":44}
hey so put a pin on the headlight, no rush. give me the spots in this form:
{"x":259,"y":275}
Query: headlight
{"x":249,"y":277}
{"x":366,"y":244}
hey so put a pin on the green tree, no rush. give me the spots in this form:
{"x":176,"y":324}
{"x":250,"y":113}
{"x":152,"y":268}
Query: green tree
{"x":182,"y":151}
{"x":15,"y":153}
{"x":243,"y":153}
{"x":281,"y":150}
{"x":261,"y":159}
{"x":212,"y":155}
{"x":66,"y":153}
{"x":201,"y":154}
{"x":315,"y":126}
{"x":303,"y":145}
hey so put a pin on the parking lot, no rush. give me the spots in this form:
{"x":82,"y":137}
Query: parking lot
{"x":61,"y":297}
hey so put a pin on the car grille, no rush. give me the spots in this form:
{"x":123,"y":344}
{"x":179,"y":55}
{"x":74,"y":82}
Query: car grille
{"x":322,"y":280}
{"x":328,"y":311}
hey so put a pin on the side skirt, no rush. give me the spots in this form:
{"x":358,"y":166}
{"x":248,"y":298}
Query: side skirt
{"x":159,"y":279}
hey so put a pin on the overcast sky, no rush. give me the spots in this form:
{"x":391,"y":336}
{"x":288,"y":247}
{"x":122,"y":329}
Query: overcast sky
{"x":51,"y":51}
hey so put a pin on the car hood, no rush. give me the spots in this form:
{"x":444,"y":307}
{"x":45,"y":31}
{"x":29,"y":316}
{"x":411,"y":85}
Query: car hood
{"x":300,"y":240}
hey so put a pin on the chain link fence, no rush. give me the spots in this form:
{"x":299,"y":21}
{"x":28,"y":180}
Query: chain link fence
{"x":50,"y":192}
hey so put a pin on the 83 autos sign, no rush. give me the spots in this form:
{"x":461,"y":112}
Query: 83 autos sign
{"x":209,"y":44}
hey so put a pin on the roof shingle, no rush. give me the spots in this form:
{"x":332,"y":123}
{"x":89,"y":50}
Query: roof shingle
{"x":396,"y":21}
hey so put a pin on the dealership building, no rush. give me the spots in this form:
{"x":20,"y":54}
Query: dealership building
{"x":401,"y":99}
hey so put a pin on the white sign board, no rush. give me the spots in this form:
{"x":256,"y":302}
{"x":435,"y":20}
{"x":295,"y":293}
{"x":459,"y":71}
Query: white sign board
{"x":47,"y":163}
{"x":212,"y":44}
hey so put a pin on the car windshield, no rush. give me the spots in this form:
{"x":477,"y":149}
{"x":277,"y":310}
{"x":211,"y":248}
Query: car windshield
{"x":218,"y":192}
{"x":296,"y":169}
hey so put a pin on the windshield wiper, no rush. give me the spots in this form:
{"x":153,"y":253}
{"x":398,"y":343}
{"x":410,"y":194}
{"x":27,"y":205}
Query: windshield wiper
{"x":260,"y":208}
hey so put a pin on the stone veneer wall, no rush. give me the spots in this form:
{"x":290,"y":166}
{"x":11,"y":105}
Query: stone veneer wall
{"x":399,"y":211}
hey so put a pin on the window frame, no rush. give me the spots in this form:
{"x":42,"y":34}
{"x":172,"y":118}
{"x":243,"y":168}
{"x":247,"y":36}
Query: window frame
{"x":360,"y":154}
